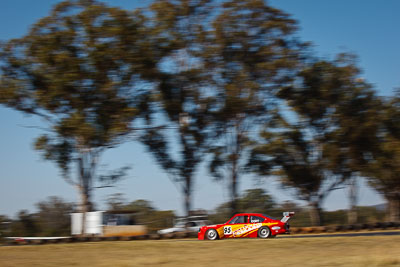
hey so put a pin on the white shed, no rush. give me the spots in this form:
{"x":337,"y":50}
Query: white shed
{"x":93,"y":223}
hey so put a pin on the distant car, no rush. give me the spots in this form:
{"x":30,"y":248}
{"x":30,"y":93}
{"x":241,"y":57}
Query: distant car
{"x":247,"y":225}
{"x":185,"y":226}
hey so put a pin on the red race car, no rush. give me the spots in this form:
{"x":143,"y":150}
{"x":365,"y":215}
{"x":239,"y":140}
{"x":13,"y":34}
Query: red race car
{"x":247,"y":225}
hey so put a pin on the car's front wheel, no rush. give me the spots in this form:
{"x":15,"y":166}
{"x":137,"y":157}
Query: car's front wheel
{"x":264,"y":232}
{"x":211,"y":234}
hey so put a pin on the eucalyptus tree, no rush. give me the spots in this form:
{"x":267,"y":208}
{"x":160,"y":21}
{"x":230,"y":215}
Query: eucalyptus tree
{"x":325,"y":142}
{"x":383,"y":170}
{"x":293,"y":157}
{"x":76,"y":70}
{"x":354,"y":140}
{"x":181,"y":97}
{"x":252,"y":52}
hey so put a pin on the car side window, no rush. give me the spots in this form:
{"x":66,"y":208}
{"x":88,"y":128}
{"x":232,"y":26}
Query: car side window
{"x":233,"y":221}
{"x":239,"y":219}
{"x":256,"y":219}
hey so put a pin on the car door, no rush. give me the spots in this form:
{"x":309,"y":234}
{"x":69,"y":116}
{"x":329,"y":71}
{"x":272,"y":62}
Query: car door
{"x":235,"y":227}
{"x":255,"y":222}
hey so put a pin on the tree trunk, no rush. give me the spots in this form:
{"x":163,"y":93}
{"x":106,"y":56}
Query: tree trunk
{"x":234,"y":175}
{"x":352,"y":215}
{"x":84,"y":206}
{"x":84,"y":191}
{"x":394,"y":208}
{"x":188,"y":196}
{"x":234,"y":194}
{"x":316,"y":214}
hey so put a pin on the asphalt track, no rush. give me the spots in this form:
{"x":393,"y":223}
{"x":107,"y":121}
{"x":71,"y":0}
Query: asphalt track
{"x":381,"y":233}
{"x":376,"y":233}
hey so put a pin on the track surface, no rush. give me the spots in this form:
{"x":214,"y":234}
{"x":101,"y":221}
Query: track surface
{"x":351,"y":234}
{"x":382,"y":233}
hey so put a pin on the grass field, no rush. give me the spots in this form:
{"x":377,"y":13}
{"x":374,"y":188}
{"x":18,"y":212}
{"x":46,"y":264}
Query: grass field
{"x":333,"y":251}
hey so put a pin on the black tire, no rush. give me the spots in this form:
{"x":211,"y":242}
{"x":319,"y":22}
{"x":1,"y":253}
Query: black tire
{"x":211,"y":234}
{"x":264,"y":232}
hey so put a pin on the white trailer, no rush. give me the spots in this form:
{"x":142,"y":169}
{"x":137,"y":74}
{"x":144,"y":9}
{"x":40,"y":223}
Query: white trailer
{"x":106,"y":223}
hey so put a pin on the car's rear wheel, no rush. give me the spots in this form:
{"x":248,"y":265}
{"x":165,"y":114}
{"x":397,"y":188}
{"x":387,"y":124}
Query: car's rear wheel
{"x":264,"y":232}
{"x":211,"y":234}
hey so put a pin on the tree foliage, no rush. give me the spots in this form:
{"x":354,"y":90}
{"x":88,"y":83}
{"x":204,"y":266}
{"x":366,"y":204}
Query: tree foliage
{"x":253,"y":53}
{"x":54,"y":217}
{"x":326,"y":142}
{"x":383,"y":169}
{"x":181,"y":92}
{"x":75,"y":69}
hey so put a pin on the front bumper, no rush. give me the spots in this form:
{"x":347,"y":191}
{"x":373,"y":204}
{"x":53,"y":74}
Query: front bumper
{"x":200,"y":234}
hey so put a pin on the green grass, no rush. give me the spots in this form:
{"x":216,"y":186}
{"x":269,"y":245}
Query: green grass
{"x":333,"y":251}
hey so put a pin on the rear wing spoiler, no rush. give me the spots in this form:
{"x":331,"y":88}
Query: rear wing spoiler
{"x":286,"y":216}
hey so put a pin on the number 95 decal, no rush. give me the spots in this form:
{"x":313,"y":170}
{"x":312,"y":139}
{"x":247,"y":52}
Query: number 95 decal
{"x":227,"y":230}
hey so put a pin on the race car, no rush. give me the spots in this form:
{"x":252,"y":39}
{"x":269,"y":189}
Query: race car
{"x":247,"y":225}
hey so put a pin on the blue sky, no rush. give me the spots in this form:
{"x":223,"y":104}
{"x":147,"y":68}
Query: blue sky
{"x":367,"y":28}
